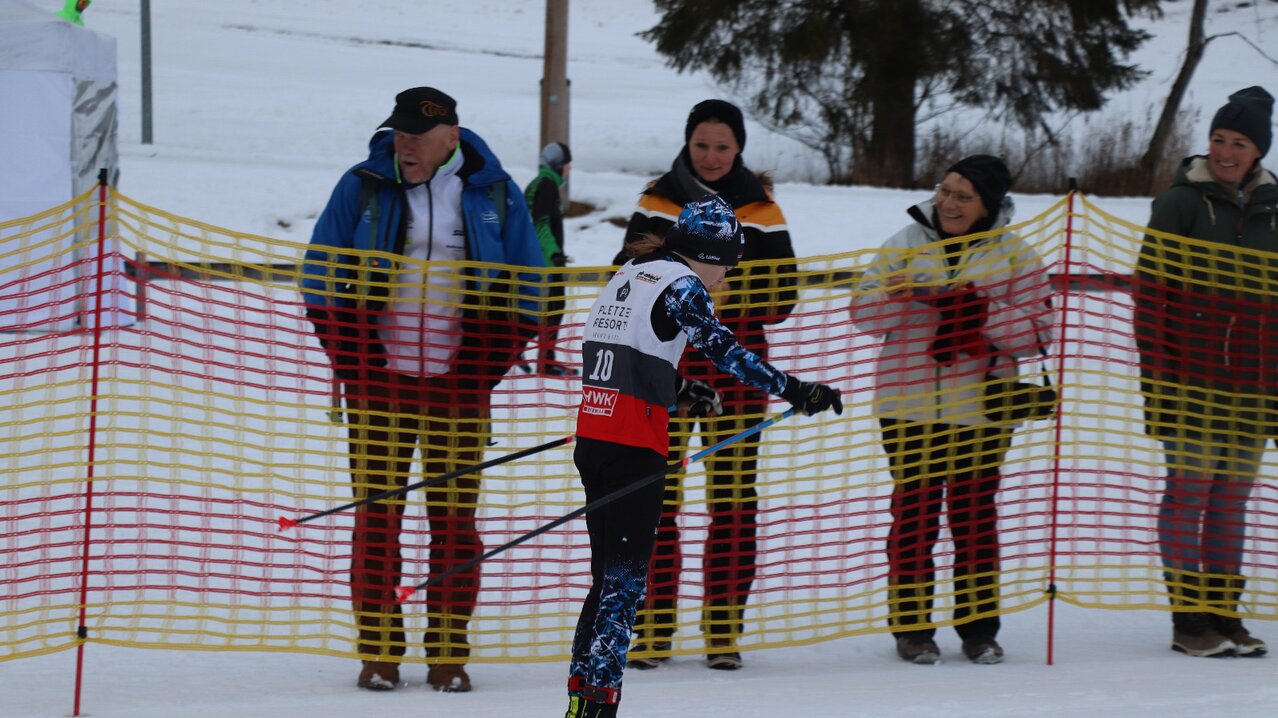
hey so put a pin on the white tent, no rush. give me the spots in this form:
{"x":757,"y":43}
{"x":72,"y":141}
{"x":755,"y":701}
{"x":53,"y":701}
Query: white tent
{"x":57,"y":130}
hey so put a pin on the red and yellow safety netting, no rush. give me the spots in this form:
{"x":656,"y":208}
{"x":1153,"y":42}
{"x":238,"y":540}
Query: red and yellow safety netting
{"x":164,"y":401}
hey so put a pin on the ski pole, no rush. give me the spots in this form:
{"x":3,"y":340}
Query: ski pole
{"x":404,"y":592}
{"x":287,"y":523}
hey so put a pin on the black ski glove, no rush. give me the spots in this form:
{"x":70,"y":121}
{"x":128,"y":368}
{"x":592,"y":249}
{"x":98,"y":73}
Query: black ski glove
{"x":699,"y":397}
{"x":810,"y":398}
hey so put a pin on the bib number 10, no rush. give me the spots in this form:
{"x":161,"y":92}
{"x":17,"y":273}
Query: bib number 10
{"x":602,"y":370}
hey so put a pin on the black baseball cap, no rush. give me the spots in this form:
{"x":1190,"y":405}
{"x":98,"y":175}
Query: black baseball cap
{"x":419,"y":109}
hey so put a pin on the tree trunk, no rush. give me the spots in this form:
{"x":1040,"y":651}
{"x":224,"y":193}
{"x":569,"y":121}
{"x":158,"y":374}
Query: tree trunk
{"x":890,"y":155}
{"x":1149,"y":162}
{"x":890,"y":79}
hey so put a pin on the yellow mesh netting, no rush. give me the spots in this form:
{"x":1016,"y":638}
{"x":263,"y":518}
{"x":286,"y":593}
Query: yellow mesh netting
{"x":201,"y":413}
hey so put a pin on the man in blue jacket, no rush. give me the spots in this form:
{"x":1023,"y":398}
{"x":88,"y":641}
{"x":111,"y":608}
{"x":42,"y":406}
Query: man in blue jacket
{"x":418,"y":341}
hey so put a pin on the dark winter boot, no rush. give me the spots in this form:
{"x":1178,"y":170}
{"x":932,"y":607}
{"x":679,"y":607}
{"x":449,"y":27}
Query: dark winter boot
{"x":378,"y":676}
{"x":722,"y":654}
{"x":1193,"y":635}
{"x":446,"y":638}
{"x":983,"y":651}
{"x":918,"y":649}
{"x":1193,"y":631}
{"x":652,"y":644}
{"x":648,"y":654}
{"x":448,"y":678}
{"x":1224,"y":594}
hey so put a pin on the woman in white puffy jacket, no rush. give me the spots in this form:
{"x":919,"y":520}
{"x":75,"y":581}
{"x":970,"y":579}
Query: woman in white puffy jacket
{"x":954,"y":303}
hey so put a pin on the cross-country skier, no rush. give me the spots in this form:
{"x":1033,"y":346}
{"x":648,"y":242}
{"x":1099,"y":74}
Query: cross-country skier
{"x":633,"y":338}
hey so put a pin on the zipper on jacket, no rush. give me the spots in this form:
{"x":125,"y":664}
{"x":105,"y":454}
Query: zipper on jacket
{"x":430,"y":251}
{"x":1211,"y":209}
{"x":1229,"y":340}
{"x":936,"y":388}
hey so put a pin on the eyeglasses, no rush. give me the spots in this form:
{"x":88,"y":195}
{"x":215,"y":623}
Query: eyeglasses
{"x":943,"y":193}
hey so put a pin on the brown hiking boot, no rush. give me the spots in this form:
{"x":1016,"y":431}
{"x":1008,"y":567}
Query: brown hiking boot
{"x":1245,"y":644}
{"x":379,"y":676}
{"x":983,"y":651}
{"x":1225,"y":592}
{"x":1193,"y":635}
{"x":918,"y":650}
{"x":448,"y":678}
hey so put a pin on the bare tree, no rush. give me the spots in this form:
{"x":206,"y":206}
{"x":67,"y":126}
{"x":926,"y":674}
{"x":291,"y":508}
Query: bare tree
{"x":1167,"y":120}
{"x":1198,"y":42}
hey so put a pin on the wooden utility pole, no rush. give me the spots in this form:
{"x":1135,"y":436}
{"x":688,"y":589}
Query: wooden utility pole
{"x":554,"y":79}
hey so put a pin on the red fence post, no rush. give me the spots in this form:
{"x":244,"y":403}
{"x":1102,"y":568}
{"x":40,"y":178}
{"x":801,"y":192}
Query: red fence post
{"x":82,"y":630}
{"x":1056,"y":441}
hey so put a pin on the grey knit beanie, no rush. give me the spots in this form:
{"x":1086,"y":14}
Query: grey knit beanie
{"x":554,"y":156}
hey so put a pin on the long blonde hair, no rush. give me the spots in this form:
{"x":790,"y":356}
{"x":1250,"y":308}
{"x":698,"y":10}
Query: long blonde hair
{"x":644,"y":244}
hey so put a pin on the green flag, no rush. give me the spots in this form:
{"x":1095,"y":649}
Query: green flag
{"x":72,"y":10}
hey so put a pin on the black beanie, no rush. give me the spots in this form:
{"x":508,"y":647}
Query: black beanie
{"x":1249,"y":112}
{"x":720,"y":110}
{"x":989,"y":176}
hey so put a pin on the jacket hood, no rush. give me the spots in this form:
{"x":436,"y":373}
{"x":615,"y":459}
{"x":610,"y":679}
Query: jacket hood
{"x":479,"y":165}
{"x":1193,"y":173}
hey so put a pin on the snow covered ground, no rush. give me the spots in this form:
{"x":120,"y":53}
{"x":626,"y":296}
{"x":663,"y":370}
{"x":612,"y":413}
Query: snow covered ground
{"x":260,"y":104}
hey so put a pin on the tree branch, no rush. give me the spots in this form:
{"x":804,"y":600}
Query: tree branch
{"x":1245,"y":39}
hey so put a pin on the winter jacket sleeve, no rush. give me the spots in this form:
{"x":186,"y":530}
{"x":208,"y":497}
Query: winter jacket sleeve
{"x":345,"y":328}
{"x":878,"y":313}
{"x":548,"y":219}
{"x":522,"y":247}
{"x":688,"y":303}
{"x":504,"y":237}
{"x":766,"y":289}
{"x":326,"y":265}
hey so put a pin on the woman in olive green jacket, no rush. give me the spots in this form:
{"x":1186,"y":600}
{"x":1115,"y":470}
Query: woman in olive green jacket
{"x":1206,"y":322}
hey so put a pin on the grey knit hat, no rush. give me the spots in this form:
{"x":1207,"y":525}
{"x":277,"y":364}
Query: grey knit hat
{"x":1249,"y":112}
{"x":554,"y":156}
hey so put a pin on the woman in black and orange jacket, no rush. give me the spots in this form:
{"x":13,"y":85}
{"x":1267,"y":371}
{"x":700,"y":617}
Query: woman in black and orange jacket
{"x":757,"y":295}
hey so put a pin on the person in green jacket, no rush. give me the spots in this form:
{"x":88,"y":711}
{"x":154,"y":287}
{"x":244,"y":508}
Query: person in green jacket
{"x":73,"y":9}
{"x":546,"y":203}
{"x":1206,"y":323}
